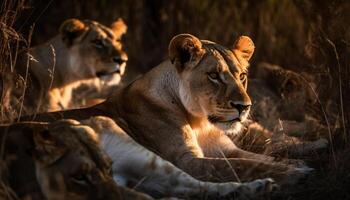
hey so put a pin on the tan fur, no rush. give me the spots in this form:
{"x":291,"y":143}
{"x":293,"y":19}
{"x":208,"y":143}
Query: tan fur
{"x":136,"y":166}
{"x":200,"y":91}
{"x":83,"y":50}
{"x":61,"y":160}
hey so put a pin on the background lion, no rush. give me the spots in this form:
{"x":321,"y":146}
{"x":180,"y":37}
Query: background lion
{"x":45,"y":75}
{"x":280,"y":101}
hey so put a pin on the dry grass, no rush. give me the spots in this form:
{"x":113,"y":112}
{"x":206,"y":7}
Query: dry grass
{"x":306,"y":36}
{"x":9,"y":45}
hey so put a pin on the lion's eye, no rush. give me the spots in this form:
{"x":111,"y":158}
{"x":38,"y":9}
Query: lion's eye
{"x":243,"y":76}
{"x":213,"y":75}
{"x":98,"y":43}
{"x":81,"y":179}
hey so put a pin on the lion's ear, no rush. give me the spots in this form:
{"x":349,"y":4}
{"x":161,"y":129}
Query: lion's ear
{"x":119,"y":28}
{"x":46,"y":148}
{"x":71,"y":29}
{"x":244,"y":47}
{"x":184,"y":49}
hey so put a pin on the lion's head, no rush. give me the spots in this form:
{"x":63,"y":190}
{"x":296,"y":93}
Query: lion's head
{"x":287,"y":84}
{"x":213,"y":79}
{"x":287,"y":92}
{"x":94,"y":49}
{"x":65,"y":158}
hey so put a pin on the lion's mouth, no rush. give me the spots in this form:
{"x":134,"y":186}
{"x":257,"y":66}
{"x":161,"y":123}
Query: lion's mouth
{"x":219,"y":119}
{"x":107,"y":73}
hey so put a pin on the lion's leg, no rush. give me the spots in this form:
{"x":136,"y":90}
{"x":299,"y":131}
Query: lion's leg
{"x":219,"y":145}
{"x":233,"y":169}
{"x":191,"y":157}
{"x":161,"y":178}
{"x":223,"y":161}
{"x":134,"y":164}
{"x":259,"y":140}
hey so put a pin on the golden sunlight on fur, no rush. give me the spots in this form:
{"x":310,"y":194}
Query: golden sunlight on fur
{"x":45,"y":76}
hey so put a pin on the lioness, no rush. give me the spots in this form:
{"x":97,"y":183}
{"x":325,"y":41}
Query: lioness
{"x":184,"y":108}
{"x":61,"y":160}
{"x":83,"y":50}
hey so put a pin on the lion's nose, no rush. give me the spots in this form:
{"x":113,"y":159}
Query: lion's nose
{"x":119,"y":59}
{"x":240,"y":106}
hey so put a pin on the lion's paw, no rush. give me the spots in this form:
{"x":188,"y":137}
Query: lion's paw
{"x":256,"y":189}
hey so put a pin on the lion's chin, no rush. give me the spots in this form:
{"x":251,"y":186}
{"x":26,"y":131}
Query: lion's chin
{"x":111,"y":80}
{"x":229,"y":127}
